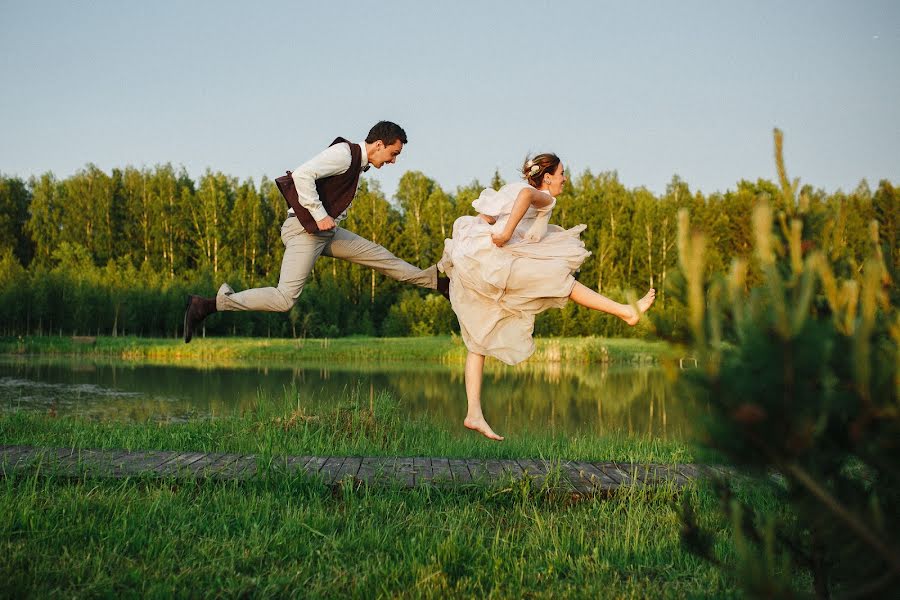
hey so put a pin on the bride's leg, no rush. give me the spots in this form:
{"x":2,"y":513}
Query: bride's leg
{"x":474,"y":416}
{"x":587,"y":297}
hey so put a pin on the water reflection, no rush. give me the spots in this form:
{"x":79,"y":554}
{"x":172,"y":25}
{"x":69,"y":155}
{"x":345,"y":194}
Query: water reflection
{"x":563,"y":398}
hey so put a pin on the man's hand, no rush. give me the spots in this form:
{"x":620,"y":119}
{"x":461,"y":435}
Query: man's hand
{"x":325,"y":224}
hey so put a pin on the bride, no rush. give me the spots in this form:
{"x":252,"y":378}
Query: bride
{"x":506,"y":265}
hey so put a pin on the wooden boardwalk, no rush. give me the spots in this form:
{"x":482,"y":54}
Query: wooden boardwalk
{"x":576,"y":477}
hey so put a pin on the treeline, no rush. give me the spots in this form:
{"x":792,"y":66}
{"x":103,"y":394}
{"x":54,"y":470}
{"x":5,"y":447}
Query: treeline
{"x":115,"y":253}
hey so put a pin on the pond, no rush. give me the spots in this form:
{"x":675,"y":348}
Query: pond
{"x":586,"y":399}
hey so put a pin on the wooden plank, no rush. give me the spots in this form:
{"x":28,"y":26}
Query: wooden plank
{"x":87,"y":461}
{"x":405,"y":471}
{"x":574,"y":479}
{"x":112,"y":462}
{"x":595,"y":476}
{"x":296,"y":464}
{"x":126,"y":464}
{"x":511,"y":468}
{"x":18,"y":454}
{"x":478,"y":470}
{"x":315,"y":465}
{"x":535,"y":470}
{"x":460,"y":471}
{"x":146,"y":463}
{"x":624,"y":472}
{"x":691,"y":472}
{"x":330,"y":468}
{"x":440,"y":468}
{"x":221,"y":467}
{"x":243,"y":468}
{"x":349,"y":469}
{"x":371,"y":468}
{"x":10,"y":452}
{"x":580,"y":477}
{"x":201,"y":467}
{"x":423,"y":470}
{"x":179,"y":465}
{"x":494,"y":468}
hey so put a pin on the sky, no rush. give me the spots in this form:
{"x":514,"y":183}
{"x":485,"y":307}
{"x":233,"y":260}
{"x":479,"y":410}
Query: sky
{"x":646,"y":89}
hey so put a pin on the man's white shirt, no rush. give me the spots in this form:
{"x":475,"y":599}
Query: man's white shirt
{"x":334,"y":160}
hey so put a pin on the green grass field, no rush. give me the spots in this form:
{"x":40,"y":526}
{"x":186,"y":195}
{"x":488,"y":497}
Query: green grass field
{"x":282,"y":535}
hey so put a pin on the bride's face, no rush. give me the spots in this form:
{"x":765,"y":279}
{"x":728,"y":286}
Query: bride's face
{"x":554,"y":182}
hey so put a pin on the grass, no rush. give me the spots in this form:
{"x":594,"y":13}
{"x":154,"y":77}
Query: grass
{"x":439,"y":349}
{"x":293,"y":537}
{"x":348,"y":425}
{"x":282,"y":535}
{"x":287,"y":535}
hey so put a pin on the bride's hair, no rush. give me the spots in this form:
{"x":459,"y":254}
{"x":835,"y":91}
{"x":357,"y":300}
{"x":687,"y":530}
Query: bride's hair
{"x":534,"y":168}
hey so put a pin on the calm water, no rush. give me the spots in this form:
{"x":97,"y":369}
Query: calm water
{"x":583,"y":399}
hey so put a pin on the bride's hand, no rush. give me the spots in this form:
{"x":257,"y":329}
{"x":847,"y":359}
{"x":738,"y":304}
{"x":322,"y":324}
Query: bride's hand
{"x":490,"y":220}
{"x":501,"y":238}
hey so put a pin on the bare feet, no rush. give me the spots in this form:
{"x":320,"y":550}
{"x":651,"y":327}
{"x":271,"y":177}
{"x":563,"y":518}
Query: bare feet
{"x":643,"y":304}
{"x":480,"y":425}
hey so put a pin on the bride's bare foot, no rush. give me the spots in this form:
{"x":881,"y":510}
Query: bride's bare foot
{"x":643,"y":304}
{"x":480,"y":425}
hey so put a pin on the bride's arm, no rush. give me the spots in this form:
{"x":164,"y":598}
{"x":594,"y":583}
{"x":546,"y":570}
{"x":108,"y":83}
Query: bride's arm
{"x":527,"y":197}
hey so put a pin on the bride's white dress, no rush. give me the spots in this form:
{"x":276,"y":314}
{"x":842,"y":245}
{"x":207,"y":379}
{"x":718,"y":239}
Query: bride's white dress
{"x":497,"y":291}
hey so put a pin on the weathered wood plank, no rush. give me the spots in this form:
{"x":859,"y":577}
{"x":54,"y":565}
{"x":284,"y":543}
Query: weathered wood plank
{"x":296,"y":464}
{"x":180,"y":464}
{"x":578,"y":477}
{"x":691,"y":472}
{"x":242,"y":468}
{"x":405,"y":471}
{"x":350,"y":468}
{"x":221,"y":467}
{"x":440,"y":468}
{"x":494,"y":469}
{"x":595,"y":476}
{"x":624,"y":472}
{"x":423,"y":470}
{"x":478,"y":470}
{"x":330,"y":469}
{"x":533,"y":469}
{"x":460,"y":471}
{"x":16,"y":455}
{"x":371,"y":469}
{"x":315,"y":465}
{"x":511,"y":468}
{"x":573,"y":480}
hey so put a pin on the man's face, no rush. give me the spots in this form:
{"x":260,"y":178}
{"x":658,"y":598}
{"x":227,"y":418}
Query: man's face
{"x":385,"y":155}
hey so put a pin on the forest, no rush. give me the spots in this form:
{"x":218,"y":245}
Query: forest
{"x":115,"y":253}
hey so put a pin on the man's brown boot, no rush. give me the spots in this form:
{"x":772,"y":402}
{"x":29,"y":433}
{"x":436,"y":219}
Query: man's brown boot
{"x":196,"y":308}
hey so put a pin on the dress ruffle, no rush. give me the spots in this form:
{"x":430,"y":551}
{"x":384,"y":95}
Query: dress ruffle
{"x":497,"y":291}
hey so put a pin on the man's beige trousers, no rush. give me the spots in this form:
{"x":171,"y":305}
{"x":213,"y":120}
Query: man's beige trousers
{"x":301,"y":249}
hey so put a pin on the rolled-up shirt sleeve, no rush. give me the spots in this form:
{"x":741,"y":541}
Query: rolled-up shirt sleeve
{"x":334,"y":160}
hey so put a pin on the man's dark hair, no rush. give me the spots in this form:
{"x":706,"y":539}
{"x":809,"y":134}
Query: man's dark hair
{"x":387,"y":132}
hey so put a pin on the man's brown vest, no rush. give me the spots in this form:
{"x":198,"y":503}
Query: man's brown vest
{"x":335,"y":192}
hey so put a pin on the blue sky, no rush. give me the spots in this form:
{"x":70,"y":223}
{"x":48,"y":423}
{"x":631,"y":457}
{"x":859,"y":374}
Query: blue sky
{"x":649,"y":89}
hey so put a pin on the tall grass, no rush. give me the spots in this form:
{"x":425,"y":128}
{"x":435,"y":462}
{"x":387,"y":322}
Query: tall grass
{"x":446,"y":349}
{"x":291,"y":536}
{"x":351,"y":424}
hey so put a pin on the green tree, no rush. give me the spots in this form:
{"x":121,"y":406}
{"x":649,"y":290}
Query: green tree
{"x":14,"y":200}
{"x":209,"y":217}
{"x":45,"y":220}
